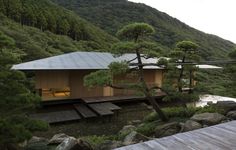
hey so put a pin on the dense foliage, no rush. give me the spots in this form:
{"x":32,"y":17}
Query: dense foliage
{"x":181,"y":72}
{"x":46,"y":15}
{"x":59,"y":30}
{"x":111,"y":15}
{"x":16,"y":100}
{"x":36,"y":44}
{"x":134,"y":36}
{"x":219,"y":81}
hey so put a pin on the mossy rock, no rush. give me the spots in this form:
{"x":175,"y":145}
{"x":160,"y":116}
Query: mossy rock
{"x":167,"y":129}
{"x":209,"y":118}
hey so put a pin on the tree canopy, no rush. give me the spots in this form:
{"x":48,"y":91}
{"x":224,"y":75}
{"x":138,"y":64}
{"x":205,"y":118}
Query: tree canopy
{"x":135,"y":35}
{"x":111,"y":15}
{"x":16,"y":100}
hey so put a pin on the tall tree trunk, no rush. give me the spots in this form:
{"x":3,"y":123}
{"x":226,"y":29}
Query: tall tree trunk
{"x":181,"y":75}
{"x":150,"y":98}
{"x":190,"y":82}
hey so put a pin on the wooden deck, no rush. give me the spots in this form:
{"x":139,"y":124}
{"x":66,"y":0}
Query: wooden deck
{"x":84,"y":108}
{"x":85,"y":111}
{"x":218,"y":137}
{"x":76,"y":112}
{"x":57,"y":116}
{"x":117,"y":99}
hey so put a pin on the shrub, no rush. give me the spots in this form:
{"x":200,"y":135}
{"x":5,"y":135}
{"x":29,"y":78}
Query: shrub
{"x":171,"y":112}
{"x":36,"y":125}
{"x":120,"y":136}
{"x":148,"y":128}
{"x":183,"y":112}
{"x":95,"y":140}
{"x":210,"y":109}
{"x":151,"y":117}
{"x":179,"y":112}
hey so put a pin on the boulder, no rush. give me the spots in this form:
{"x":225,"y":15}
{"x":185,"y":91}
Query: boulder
{"x":135,"y":122}
{"x":36,"y":139}
{"x":72,"y":143}
{"x":82,"y":145}
{"x":127,"y":129}
{"x":232,"y":115}
{"x":58,"y":138}
{"x":135,"y":137}
{"x":226,"y":105}
{"x":167,"y":129}
{"x":67,"y":144}
{"x":208,"y":118}
{"x":37,"y":143}
{"x":190,"y":125}
{"x":108,"y":145}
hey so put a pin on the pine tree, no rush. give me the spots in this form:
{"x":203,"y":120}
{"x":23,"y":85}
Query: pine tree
{"x":13,"y":9}
{"x":28,"y":16}
{"x":181,"y":69}
{"x":41,"y":21}
{"x":51,"y":21}
{"x":135,"y":35}
{"x":2,"y":7}
{"x":185,"y":52}
{"x":63,"y":26}
{"x":16,"y":100}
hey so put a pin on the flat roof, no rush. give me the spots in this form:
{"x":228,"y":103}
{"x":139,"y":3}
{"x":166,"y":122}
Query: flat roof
{"x":85,"y":61}
{"x":80,"y":61}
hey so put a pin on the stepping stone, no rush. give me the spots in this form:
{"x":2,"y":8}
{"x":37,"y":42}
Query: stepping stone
{"x":100,"y":109}
{"x":111,"y":106}
{"x":84,"y":110}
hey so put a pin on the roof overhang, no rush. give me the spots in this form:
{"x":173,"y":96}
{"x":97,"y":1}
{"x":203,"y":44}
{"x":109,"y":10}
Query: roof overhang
{"x":88,"y":61}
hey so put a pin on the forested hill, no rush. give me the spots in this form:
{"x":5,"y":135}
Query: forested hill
{"x":46,"y":27}
{"x":42,"y":28}
{"x":111,"y":15}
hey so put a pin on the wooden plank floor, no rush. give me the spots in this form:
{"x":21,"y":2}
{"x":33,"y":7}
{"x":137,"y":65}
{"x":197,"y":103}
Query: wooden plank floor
{"x":100,"y":109}
{"x":89,"y":100}
{"x":84,"y":111}
{"x":110,"y":106}
{"x":218,"y":137}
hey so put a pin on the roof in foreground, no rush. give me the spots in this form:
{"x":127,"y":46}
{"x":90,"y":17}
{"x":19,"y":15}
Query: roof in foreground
{"x":220,"y":136}
{"x":83,"y":61}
